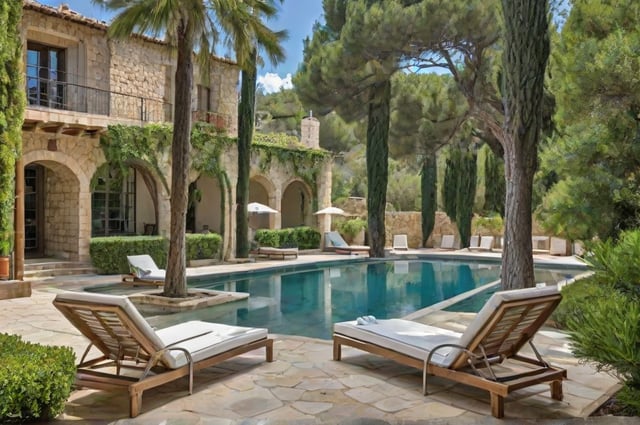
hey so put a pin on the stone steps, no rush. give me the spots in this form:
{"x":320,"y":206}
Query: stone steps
{"x":51,"y":268}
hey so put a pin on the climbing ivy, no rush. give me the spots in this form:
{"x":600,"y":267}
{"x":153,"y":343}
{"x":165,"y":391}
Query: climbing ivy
{"x":209,"y":144}
{"x":122,"y":143}
{"x":12,"y":100}
{"x":305,"y":162}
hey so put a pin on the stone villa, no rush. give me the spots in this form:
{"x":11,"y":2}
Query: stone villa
{"x":78,"y":83}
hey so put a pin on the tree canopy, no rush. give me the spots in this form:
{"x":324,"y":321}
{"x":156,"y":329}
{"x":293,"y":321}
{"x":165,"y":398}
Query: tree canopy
{"x":595,"y":153}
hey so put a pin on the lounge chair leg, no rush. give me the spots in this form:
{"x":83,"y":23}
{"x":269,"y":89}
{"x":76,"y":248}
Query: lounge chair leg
{"x":269,"y":350}
{"x":424,"y":378}
{"x":135,"y":401}
{"x":337,"y":351}
{"x":556,"y":390}
{"x":497,"y":405}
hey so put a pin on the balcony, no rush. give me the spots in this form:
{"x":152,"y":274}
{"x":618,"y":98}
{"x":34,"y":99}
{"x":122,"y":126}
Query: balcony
{"x":59,"y":104}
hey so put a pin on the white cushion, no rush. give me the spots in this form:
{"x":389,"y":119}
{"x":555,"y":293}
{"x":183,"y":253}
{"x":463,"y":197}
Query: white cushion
{"x":205,"y":339}
{"x":405,"y":336}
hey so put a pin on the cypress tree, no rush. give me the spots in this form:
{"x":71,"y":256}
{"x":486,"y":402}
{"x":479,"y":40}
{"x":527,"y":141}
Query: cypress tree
{"x":246,"y":118}
{"x":450,"y":186}
{"x":465,"y":195}
{"x":495,"y":184}
{"x":428,"y":180}
{"x":12,"y":100}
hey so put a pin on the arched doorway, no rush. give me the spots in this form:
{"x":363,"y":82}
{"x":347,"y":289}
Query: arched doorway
{"x":51,"y":210}
{"x":296,"y":205}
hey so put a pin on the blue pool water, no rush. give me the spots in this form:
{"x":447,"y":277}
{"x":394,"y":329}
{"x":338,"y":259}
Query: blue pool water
{"x":308,"y":302}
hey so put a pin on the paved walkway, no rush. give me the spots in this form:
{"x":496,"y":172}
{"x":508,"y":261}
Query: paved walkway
{"x":304,"y":386}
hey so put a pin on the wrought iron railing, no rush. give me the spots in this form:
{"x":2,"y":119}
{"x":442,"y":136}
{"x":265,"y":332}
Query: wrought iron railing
{"x":62,"y":91}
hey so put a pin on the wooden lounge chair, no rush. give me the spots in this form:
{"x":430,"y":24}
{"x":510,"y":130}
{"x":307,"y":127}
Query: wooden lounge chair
{"x":144,"y":270}
{"x":126,"y":342}
{"x":334,"y":242}
{"x":400,"y":242}
{"x":507,"y":322}
{"x":271,"y":252}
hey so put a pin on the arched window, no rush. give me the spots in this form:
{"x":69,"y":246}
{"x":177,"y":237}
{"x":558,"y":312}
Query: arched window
{"x":113,"y":202}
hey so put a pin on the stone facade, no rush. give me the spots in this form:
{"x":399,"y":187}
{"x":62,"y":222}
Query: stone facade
{"x":95,"y":82}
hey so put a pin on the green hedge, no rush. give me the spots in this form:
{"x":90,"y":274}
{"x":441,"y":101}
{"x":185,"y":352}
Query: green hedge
{"x":303,"y":237}
{"x":35,"y":380}
{"x":109,"y":254}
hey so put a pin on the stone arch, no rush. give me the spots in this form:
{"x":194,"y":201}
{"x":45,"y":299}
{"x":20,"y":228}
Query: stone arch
{"x":297,"y":204}
{"x":209,"y":209}
{"x":262,"y":190}
{"x":151,"y":195}
{"x":57,"y":206}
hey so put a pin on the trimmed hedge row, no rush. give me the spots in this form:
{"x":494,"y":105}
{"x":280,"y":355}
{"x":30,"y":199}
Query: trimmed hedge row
{"x":109,"y":254}
{"x":35,"y":380}
{"x":303,"y":237}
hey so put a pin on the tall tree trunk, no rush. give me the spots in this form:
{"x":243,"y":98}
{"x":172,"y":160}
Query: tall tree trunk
{"x":377,"y":164}
{"x":428,"y":184}
{"x":525,"y":59}
{"x":246,"y":114}
{"x":176,"y":279}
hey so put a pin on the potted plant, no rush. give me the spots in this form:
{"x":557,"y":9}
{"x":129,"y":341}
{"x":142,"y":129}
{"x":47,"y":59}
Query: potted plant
{"x":5,"y":256}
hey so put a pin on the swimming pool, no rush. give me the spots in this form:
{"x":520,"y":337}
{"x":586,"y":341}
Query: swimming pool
{"x":308,"y":302}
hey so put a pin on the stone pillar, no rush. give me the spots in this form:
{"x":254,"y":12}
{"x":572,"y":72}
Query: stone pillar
{"x":310,"y":132}
{"x":324,"y":198}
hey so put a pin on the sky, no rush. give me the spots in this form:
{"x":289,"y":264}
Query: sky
{"x":295,"y":16}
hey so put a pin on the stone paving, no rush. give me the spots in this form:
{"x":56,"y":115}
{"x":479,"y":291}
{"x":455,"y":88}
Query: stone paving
{"x":305,"y":386}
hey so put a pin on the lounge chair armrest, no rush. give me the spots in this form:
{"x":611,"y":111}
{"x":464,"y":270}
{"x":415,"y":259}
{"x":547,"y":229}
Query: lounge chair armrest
{"x":473,"y":359}
{"x":155,"y":358}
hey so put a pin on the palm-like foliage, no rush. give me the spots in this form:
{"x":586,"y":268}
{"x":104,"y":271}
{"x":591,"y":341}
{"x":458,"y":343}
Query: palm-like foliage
{"x":191,"y":25}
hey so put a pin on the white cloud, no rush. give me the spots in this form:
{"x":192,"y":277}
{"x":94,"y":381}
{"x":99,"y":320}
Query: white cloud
{"x":272,"y":83}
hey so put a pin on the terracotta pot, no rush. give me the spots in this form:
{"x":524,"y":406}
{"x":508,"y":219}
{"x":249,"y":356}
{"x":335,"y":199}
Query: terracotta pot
{"x":4,"y":267}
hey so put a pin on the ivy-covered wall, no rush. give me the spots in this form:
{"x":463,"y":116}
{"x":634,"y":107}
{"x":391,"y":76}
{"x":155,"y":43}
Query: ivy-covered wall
{"x":12,"y":101}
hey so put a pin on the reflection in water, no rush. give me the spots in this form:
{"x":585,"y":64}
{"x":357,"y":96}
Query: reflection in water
{"x":307,"y":303}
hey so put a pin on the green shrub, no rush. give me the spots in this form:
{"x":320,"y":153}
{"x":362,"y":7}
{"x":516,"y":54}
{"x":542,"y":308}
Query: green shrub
{"x":203,"y":246}
{"x":303,"y":237}
{"x":574,"y":297}
{"x":602,"y":313}
{"x":109,"y":254}
{"x":35,"y":380}
{"x":350,"y":228}
{"x":616,"y":262}
{"x":606,"y":333}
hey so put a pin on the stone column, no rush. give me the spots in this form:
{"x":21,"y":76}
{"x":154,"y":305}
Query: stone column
{"x":324,"y":198}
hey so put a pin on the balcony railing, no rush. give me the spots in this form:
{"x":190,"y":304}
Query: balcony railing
{"x":63,"y":92}
{"x":71,"y":96}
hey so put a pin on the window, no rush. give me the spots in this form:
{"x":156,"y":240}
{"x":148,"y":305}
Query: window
{"x":45,"y":76}
{"x":204,"y":98}
{"x":113,"y":202}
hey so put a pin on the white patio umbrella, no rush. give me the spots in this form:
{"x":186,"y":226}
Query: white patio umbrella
{"x":327,"y":213}
{"x":256,"y":207}
{"x":330,"y":211}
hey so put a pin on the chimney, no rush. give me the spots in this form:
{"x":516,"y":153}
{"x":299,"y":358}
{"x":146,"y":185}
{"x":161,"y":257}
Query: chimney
{"x":310,"y":131}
